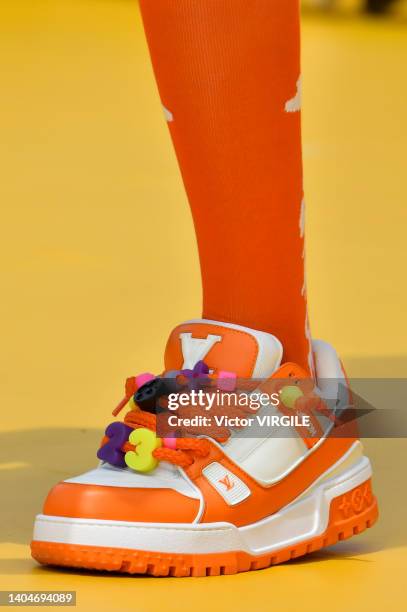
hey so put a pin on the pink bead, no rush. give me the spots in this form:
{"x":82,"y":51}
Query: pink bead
{"x":226,"y":381}
{"x":142,"y":379}
{"x":170,"y":443}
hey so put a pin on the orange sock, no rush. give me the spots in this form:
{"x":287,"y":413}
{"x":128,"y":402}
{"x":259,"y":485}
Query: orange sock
{"x":228,"y":74}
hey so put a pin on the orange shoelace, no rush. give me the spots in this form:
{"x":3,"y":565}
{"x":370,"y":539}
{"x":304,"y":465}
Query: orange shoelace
{"x":185,"y":448}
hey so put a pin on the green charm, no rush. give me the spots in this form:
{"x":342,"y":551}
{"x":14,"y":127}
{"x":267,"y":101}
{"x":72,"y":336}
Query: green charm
{"x":289,"y":395}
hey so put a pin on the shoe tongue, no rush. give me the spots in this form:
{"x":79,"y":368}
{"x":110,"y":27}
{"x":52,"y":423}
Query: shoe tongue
{"x":246,"y":352}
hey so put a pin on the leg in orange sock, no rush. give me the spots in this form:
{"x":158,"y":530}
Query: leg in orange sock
{"x":228,"y":73}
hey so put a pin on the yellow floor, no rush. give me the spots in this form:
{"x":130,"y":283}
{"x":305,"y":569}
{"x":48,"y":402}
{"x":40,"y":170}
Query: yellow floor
{"x":99,"y":261}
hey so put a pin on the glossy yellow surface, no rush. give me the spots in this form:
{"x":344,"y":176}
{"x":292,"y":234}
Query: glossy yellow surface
{"x":146,"y":442}
{"x":99,"y":262}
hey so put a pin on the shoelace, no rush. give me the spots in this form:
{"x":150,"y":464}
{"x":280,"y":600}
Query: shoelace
{"x":185,"y":448}
{"x":182,"y":450}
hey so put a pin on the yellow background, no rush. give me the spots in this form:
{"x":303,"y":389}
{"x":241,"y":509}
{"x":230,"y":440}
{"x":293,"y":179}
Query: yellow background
{"x":99,"y":262}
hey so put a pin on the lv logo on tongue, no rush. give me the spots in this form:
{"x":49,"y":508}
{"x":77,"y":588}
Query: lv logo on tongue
{"x":196,"y":349}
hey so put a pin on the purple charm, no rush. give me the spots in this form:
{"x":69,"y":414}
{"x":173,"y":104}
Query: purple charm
{"x":111,"y":451}
{"x":200,"y":371}
{"x":196,"y":375}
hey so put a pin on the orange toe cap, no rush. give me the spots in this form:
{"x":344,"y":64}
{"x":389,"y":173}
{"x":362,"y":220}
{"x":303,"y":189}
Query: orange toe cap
{"x":120,"y":504}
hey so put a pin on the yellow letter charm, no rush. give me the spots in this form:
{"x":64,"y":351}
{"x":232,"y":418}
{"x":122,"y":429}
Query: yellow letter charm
{"x":141,"y":459}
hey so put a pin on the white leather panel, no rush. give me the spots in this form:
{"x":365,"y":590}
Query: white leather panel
{"x":162,"y":478}
{"x":268,"y":460}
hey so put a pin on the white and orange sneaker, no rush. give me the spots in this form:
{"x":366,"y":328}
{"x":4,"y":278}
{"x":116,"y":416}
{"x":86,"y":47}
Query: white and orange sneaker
{"x":207,"y":506}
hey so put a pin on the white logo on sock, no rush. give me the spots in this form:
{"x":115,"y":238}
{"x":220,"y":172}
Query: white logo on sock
{"x":302,"y":219}
{"x":294,"y":105}
{"x":168,"y":114}
{"x":196,"y":349}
